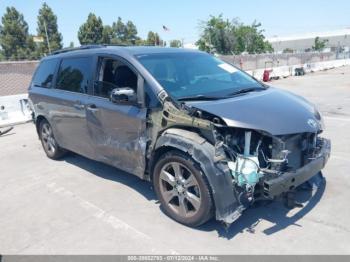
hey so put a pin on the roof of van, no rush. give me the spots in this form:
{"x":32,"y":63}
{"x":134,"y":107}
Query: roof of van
{"x":126,"y":50}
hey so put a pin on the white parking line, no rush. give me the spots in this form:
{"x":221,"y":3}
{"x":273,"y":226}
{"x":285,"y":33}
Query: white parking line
{"x":103,"y":215}
{"x":96,"y":211}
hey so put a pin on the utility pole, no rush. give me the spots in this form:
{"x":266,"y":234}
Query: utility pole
{"x":47,"y":37}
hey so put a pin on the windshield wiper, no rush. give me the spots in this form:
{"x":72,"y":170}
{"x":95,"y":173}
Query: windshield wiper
{"x":246,"y":90}
{"x":199,"y":97}
{"x":204,"y":97}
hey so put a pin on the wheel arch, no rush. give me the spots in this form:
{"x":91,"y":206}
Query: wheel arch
{"x":158,"y":152}
{"x":202,"y":152}
{"x":38,"y":121}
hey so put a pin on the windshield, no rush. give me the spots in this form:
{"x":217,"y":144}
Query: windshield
{"x":189,"y":75}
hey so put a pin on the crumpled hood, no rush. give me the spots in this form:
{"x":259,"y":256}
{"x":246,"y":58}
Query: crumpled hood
{"x":273,"y":110}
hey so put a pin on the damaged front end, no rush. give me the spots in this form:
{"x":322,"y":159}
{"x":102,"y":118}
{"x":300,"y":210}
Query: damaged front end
{"x":265,"y":166}
{"x":242,"y":165}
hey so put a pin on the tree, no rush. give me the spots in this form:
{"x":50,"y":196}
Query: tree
{"x":48,"y":19}
{"x":141,"y":41}
{"x":125,"y":34}
{"x":120,"y":31}
{"x":1,"y":51}
{"x":131,"y":33}
{"x":107,"y":34}
{"x":175,"y":43}
{"x":217,"y":35}
{"x":251,"y":39}
{"x":319,"y":44}
{"x":31,"y":50}
{"x":223,"y":36}
{"x":91,"y":32}
{"x":15,"y":41}
{"x":154,"y":39}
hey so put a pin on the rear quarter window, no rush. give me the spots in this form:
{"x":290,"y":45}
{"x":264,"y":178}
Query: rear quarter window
{"x":44,"y":75}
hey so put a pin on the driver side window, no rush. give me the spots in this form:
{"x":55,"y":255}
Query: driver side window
{"x":113,"y":74}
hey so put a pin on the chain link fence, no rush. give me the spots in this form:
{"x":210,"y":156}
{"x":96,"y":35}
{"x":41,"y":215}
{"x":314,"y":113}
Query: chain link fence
{"x":16,"y":76}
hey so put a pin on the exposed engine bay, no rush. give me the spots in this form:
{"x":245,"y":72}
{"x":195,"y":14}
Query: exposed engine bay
{"x":256,"y":157}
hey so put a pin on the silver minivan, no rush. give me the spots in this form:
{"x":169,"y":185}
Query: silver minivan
{"x":212,"y":139}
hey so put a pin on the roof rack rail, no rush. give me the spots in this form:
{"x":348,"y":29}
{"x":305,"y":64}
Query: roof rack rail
{"x":114,"y":45}
{"x":64,"y":50}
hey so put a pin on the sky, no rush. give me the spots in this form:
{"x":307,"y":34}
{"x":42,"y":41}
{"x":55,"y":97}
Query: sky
{"x":278,"y":17}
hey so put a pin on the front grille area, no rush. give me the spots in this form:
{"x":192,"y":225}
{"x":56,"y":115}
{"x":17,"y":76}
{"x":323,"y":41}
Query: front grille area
{"x":301,"y":148}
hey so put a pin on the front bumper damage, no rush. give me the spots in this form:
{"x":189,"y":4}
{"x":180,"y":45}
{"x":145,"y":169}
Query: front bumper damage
{"x":290,"y":180}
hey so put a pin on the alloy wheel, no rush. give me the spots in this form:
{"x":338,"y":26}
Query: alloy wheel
{"x":180,"y":189}
{"x":48,"y":139}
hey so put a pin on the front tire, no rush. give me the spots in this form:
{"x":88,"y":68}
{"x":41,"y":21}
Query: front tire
{"x":182,"y":189}
{"x":48,"y":141}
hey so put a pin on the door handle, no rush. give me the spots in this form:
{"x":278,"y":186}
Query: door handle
{"x":92,"y":107}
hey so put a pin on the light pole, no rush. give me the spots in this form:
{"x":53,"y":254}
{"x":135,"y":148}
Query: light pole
{"x":47,"y":37}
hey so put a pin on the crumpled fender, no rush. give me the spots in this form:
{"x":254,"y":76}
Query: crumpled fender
{"x":218,"y":175}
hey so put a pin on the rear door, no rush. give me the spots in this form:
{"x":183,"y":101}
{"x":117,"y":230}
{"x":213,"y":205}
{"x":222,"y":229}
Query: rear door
{"x":117,"y":131}
{"x":68,"y":104}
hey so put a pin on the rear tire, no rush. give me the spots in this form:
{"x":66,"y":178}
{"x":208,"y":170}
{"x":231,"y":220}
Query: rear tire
{"x":48,"y":141}
{"x":182,"y":189}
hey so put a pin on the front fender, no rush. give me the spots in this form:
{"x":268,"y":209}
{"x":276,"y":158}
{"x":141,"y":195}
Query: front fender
{"x":218,"y":175}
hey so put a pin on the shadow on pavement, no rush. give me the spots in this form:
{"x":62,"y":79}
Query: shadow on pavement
{"x":272,"y":211}
{"x":111,"y":173}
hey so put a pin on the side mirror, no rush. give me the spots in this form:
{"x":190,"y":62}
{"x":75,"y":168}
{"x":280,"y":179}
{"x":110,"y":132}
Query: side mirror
{"x":123,"y":95}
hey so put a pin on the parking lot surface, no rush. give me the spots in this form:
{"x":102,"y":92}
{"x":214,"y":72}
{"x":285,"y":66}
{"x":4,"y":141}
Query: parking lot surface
{"x":79,"y":206}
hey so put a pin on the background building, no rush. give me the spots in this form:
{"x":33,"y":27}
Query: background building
{"x":337,"y":40}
